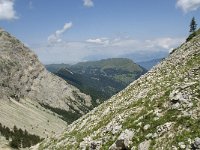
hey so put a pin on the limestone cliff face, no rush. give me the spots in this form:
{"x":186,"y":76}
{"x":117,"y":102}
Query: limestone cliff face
{"x":24,"y":81}
{"x":160,"y":110}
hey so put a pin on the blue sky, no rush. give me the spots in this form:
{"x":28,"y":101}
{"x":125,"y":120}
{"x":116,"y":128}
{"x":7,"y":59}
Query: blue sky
{"x":69,"y":31}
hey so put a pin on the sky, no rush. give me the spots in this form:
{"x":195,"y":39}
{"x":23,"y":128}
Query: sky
{"x":70,"y":31}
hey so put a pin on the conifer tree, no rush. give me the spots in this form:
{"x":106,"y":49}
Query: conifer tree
{"x":193,"y":25}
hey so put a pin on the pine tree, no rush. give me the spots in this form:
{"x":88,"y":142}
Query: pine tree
{"x":193,"y":25}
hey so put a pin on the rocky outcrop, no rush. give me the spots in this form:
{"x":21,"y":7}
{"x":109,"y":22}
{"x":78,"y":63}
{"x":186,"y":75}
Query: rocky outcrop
{"x":29,"y":93}
{"x":162,"y":108}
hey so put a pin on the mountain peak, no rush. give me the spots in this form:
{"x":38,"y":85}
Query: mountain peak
{"x":30,"y":96}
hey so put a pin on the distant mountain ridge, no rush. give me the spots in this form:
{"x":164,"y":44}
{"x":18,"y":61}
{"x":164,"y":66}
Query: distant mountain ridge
{"x":100,"y":79}
{"x":150,"y":63}
{"x":55,"y":67}
{"x":143,"y":56}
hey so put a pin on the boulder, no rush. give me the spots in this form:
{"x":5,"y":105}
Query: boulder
{"x":95,"y":145}
{"x":124,"y":141}
{"x":196,"y":144}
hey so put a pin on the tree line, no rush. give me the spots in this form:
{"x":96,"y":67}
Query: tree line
{"x":19,"y":138}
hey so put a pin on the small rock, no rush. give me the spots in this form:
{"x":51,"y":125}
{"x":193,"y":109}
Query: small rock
{"x":157,"y":112}
{"x":146,"y":127}
{"x":95,"y":145}
{"x":190,"y":105}
{"x":144,"y":145}
{"x":176,"y":97}
{"x":197,"y":142}
{"x":182,"y":145}
{"x":155,"y":135}
{"x":86,"y":142}
{"x":164,"y":128}
{"x":175,"y":106}
{"x":120,"y":144}
{"x":116,"y":129}
{"x":174,"y":147}
{"x":156,"y":118}
{"x":139,"y":124}
{"x":148,"y":136}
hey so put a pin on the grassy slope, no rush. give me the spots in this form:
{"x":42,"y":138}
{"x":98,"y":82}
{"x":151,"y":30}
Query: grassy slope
{"x":146,"y":101}
{"x":36,"y":120}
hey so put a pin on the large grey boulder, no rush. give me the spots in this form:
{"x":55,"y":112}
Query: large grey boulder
{"x":90,"y":143}
{"x":124,"y":141}
{"x":196,"y":144}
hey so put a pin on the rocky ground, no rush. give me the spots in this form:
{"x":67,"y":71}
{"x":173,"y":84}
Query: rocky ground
{"x":159,"y":111}
{"x":4,"y":145}
{"x":31,"y":116}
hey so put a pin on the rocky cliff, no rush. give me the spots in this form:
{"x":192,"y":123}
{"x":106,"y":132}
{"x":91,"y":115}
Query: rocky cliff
{"x":32,"y":98}
{"x":160,"y":110}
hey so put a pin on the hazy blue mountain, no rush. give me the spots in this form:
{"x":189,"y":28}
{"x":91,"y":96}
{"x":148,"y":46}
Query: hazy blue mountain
{"x":138,"y":56}
{"x":149,"y":64}
{"x":143,"y":56}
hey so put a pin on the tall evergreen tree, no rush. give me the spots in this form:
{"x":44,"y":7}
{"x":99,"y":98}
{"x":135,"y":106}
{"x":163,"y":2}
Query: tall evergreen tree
{"x":193,"y":25}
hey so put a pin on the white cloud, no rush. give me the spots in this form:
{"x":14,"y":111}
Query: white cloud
{"x":30,"y":5}
{"x":99,"y":41}
{"x":7,"y":11}
{"x":164,"y":43}
{"x":88,"y":3}
{"x":124,"y":42}
{"x":188,"y":5}
{"x":71,"y":52}
{"x":56,"y":37}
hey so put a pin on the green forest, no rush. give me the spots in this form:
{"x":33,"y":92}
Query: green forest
{"x":19,"y":138}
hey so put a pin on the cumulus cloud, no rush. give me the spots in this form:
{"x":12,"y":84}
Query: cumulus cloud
{"x":7,"y":11}
{"x":56,"y":37}
{"x":88,"y":3}
{"x":188,"y":5}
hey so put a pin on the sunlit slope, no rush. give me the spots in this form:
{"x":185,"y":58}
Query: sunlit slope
{"x":160,"y":110}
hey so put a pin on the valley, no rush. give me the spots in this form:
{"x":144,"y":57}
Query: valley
{"x":31,"y":98}
{"x":151,"y":108}
{"x":99,"y":79}
{"x":160,"y":110}
{"x":99,"y":75}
